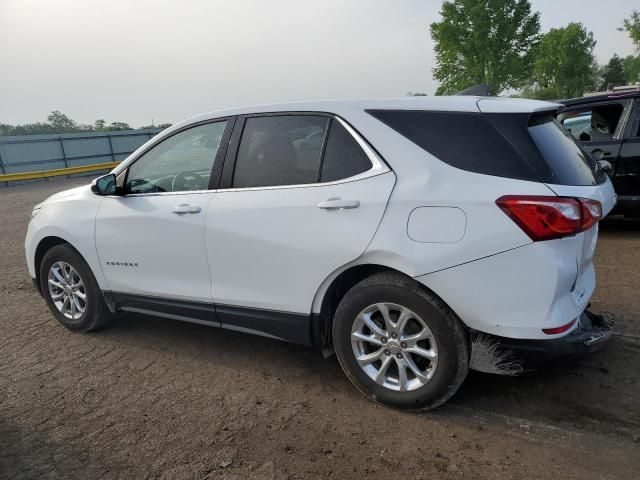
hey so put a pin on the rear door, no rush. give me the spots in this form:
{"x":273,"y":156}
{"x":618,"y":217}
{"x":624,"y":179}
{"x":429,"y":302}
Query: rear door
{"x":628,"y":170}
{"x":304,"y":195}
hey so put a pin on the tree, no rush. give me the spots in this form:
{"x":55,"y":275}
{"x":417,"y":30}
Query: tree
{"x":114,"y":126}
{"x":99,"y":124}
{"x":632,"y":27}
{"x":631,"y":66}
{"x":60,"y":122}
{"x":484,"y":41}
{"x":613,"y":74}
{"x":564,"y":61}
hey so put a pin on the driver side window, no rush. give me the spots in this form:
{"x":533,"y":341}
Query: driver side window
{"x":595,"y":123}
{"x":182,"y":162}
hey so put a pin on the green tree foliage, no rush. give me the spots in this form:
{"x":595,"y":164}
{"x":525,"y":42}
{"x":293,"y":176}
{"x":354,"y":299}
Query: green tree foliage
{"x":58,"y":122}
{"x":613,"y":74}
{"x":632,"y":27}
{"x":564,"y":64}
{"x":61,"y":123}
{"x":631,"y":63}
{"x":484,"y":41}
{"x":631,"y":66}
{"x":114,"y":126}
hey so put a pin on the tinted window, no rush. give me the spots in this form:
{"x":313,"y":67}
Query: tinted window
{"x":464,"y":140}
{"x":343,"y":157}
{"x":570,"y":164}
{"x":181,"y":162}
{"x":280,"y":150}
{"x":502,"y":144}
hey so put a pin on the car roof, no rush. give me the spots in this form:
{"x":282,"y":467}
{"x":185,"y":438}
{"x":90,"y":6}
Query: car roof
{"x":439,"y":103}
{"x":599,"y":97}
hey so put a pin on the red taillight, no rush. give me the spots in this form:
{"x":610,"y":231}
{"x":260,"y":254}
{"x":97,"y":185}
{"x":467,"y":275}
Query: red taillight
{"x":561,"y":329}
{"x":591,"y":212}
{"x":545,"y":217}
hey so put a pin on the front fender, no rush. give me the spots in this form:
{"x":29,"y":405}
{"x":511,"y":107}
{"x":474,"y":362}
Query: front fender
{"x":71,"y":219}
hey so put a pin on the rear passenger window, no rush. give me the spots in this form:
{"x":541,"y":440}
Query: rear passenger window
{"x":280,"y":150}
{"x":343,"y":157}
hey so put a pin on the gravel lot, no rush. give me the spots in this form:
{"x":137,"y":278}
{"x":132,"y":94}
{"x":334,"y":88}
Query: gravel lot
{"x":152,"y":398}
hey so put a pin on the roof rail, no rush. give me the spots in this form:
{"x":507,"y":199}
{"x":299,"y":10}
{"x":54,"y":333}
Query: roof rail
{"x":627,"y":87}
{"x":622,"y":88}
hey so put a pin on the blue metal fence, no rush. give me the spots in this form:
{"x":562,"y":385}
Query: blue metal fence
{"x":46,"y":152}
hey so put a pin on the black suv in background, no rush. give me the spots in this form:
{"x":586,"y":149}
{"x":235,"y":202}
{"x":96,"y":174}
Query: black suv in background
{"x":607,"y":125}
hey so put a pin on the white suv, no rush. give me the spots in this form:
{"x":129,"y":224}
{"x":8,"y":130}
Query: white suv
{"x":417,"y":238}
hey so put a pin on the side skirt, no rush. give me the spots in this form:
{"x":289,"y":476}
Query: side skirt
{"x":286,"y":326}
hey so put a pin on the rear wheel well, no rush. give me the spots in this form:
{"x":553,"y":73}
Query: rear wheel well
{"x":43,"y":247}
{"x":321,"y":323}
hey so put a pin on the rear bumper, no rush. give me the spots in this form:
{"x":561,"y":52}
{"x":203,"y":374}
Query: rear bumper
{"x":513,"y":356}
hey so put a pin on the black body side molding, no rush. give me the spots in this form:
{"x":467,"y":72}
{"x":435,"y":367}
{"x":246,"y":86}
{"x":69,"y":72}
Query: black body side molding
{"x":287,"y":326}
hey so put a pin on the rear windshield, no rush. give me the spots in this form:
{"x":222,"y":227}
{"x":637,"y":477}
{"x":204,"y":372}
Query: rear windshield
{"x":570,"y":163}
{"x":511,"y":145}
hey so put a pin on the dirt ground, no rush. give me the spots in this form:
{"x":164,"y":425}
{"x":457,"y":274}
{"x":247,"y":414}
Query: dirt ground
{"x":152,"y":398}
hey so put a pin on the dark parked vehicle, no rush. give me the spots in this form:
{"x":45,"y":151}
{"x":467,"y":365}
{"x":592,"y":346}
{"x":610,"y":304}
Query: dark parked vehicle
{"x":607,"y":125}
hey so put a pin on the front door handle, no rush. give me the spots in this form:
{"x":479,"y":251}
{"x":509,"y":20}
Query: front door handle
{"x":186,"y":208}
{"x":338,"y":203}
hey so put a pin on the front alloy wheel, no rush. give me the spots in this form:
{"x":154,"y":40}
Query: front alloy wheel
{"x":71,"y":291}
{"x":67,"y":291}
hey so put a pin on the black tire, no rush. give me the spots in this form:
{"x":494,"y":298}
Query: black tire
{"x":448,"y":331}
{"x":96,"y":313}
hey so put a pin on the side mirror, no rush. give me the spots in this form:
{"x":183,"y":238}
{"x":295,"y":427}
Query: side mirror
{"x":105,"y":185}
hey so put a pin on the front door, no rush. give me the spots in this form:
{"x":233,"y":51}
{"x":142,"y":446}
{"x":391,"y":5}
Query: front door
{"x":150,"y":240}
{"x":306,"y":198}
{"x":599,"y":129}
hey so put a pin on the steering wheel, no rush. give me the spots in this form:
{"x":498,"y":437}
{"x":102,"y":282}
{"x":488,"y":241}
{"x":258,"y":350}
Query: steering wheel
{"x":186,"y":181}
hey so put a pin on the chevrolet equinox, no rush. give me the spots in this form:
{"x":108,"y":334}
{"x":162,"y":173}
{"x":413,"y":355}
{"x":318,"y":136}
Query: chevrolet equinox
{"x":415,"y":238}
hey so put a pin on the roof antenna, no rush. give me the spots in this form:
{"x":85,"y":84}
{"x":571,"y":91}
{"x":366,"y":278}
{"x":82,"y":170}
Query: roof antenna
{"x":479,"y":90}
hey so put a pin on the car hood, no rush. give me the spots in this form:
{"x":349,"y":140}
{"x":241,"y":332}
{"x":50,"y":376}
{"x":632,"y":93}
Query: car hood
{"x":67,"y":193}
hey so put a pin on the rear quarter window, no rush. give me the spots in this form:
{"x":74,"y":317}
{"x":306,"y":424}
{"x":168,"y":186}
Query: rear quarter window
{"x":464,"y":140}
{"x":499,"y":144}
{"x":343,"y":157}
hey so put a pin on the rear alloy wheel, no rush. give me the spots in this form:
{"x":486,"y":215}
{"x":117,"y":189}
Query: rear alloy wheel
{"x":394,"y":347}
{"x":400,"y":344}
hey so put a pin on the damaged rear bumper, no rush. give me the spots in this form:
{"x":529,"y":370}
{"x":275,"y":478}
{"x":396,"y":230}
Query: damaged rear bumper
{"x":510,"y":356}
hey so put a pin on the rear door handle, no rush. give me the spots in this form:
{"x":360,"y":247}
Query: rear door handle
{"x":186,"y":208}
{"x":338,"y":203}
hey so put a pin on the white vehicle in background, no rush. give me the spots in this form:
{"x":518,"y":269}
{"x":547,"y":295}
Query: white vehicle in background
{"x":417,"y":237}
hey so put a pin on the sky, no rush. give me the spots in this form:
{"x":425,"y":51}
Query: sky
{"x":140,"y":61}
